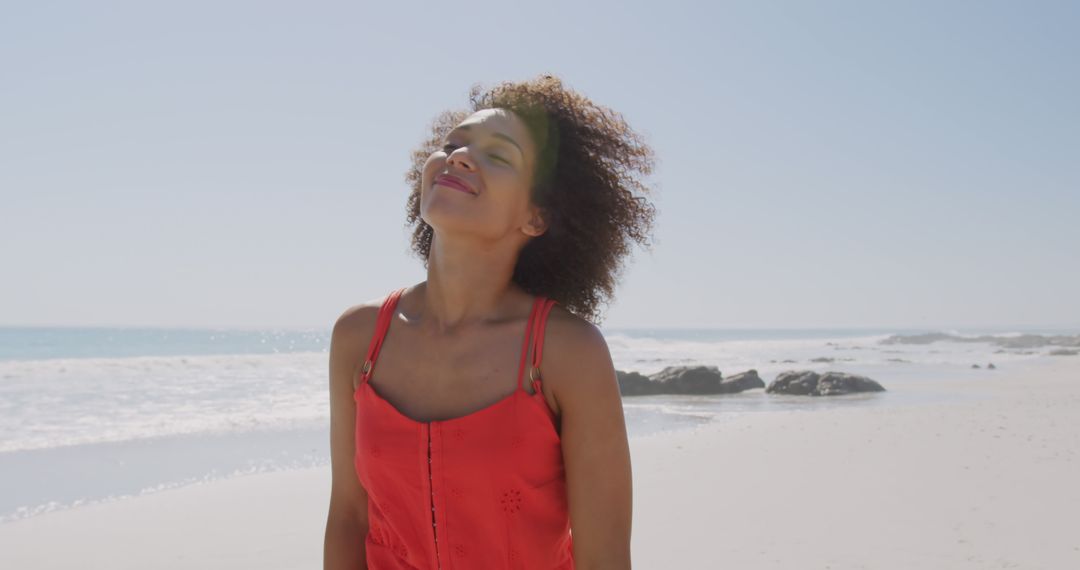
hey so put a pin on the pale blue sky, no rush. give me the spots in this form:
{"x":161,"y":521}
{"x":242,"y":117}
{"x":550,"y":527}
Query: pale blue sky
{"x":849,"y":163}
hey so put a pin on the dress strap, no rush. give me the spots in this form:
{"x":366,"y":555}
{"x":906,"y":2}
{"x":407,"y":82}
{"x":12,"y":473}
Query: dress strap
{"x":537,"y":302}
{"x":382,"y":324}
{"x":537,"y":324}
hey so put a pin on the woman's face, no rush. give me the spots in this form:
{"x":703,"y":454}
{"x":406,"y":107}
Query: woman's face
{"x":478,"y":184}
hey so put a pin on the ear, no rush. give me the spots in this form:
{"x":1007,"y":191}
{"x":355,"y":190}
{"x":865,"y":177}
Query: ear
{"x":535,"y":226}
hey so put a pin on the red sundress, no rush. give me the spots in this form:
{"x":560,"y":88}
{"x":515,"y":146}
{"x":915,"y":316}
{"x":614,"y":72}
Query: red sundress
{"x":482,"y":491}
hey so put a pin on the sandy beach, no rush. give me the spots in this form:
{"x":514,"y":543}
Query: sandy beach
{"x":981,"y":482}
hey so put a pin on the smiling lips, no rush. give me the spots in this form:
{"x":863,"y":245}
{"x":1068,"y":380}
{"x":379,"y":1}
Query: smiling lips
{"x":451,"y":181}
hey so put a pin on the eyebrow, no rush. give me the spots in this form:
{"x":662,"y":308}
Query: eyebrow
{"x":496,"y":134}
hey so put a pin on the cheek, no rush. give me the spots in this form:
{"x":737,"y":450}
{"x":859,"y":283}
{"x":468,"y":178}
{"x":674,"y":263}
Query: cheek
{"x":512,"y":186}
{"x":432,"y":166}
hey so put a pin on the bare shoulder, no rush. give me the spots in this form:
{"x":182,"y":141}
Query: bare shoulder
{"x":576,"y":360}
{"x":350,"y":337}
{"x":357,"y":317}
{"x":569,"y":332}
{"x":356,"y":322}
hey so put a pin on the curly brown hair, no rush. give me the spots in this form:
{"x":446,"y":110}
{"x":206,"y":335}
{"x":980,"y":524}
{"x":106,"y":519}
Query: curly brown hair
{"x":587,"y":184}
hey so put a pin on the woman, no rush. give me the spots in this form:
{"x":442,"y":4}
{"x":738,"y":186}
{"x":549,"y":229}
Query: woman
{"x":522,"y":210}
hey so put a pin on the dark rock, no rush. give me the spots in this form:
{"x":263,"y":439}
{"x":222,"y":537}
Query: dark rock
{"x":1064,"y":352}
{"x":688,"y":380}
{"x":742,"y":381}
{"x":821,"y":359}
{"x":810,"y":383}
{"x":991,"y":366}
{"x":802,"y":383}
{"x":671,"y":380}
{"x":635,"y":384}
{"x":836,"y":383}
{"x":975,"y":366}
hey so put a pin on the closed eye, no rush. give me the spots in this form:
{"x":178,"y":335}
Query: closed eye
{"x":449,"y":147}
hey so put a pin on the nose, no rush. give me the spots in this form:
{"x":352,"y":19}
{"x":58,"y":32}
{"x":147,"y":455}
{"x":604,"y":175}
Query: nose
{"x":461,"y":159}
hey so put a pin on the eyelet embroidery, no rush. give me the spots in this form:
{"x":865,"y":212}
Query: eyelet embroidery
{"x":511,"y":500}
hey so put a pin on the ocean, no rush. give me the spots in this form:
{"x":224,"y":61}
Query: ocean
{"x":103,"y":414}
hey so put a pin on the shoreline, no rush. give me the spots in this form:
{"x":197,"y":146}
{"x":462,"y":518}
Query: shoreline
{"x":968,"y":483}
{"x":131,"y":469}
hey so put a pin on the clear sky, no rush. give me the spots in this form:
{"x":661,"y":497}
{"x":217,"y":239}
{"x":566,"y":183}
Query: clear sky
{"x":852,"y":163}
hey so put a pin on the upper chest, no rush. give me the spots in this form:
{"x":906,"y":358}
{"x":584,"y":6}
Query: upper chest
{"x":430,"y":377}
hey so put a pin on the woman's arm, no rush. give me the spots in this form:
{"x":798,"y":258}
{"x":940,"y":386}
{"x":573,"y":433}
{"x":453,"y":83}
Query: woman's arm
{"x":595,"y":447}
{"x":346,"y":522}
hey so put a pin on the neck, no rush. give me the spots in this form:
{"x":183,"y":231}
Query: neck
{"x":467,"y":284}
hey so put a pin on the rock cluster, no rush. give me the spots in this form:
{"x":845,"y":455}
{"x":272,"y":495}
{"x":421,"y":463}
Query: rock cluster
{"x":687,"y":380}
{"x":709,"y":380}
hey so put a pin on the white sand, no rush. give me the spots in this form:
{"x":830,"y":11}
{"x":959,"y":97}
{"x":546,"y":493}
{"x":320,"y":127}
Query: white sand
{"x":990,"y":483}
